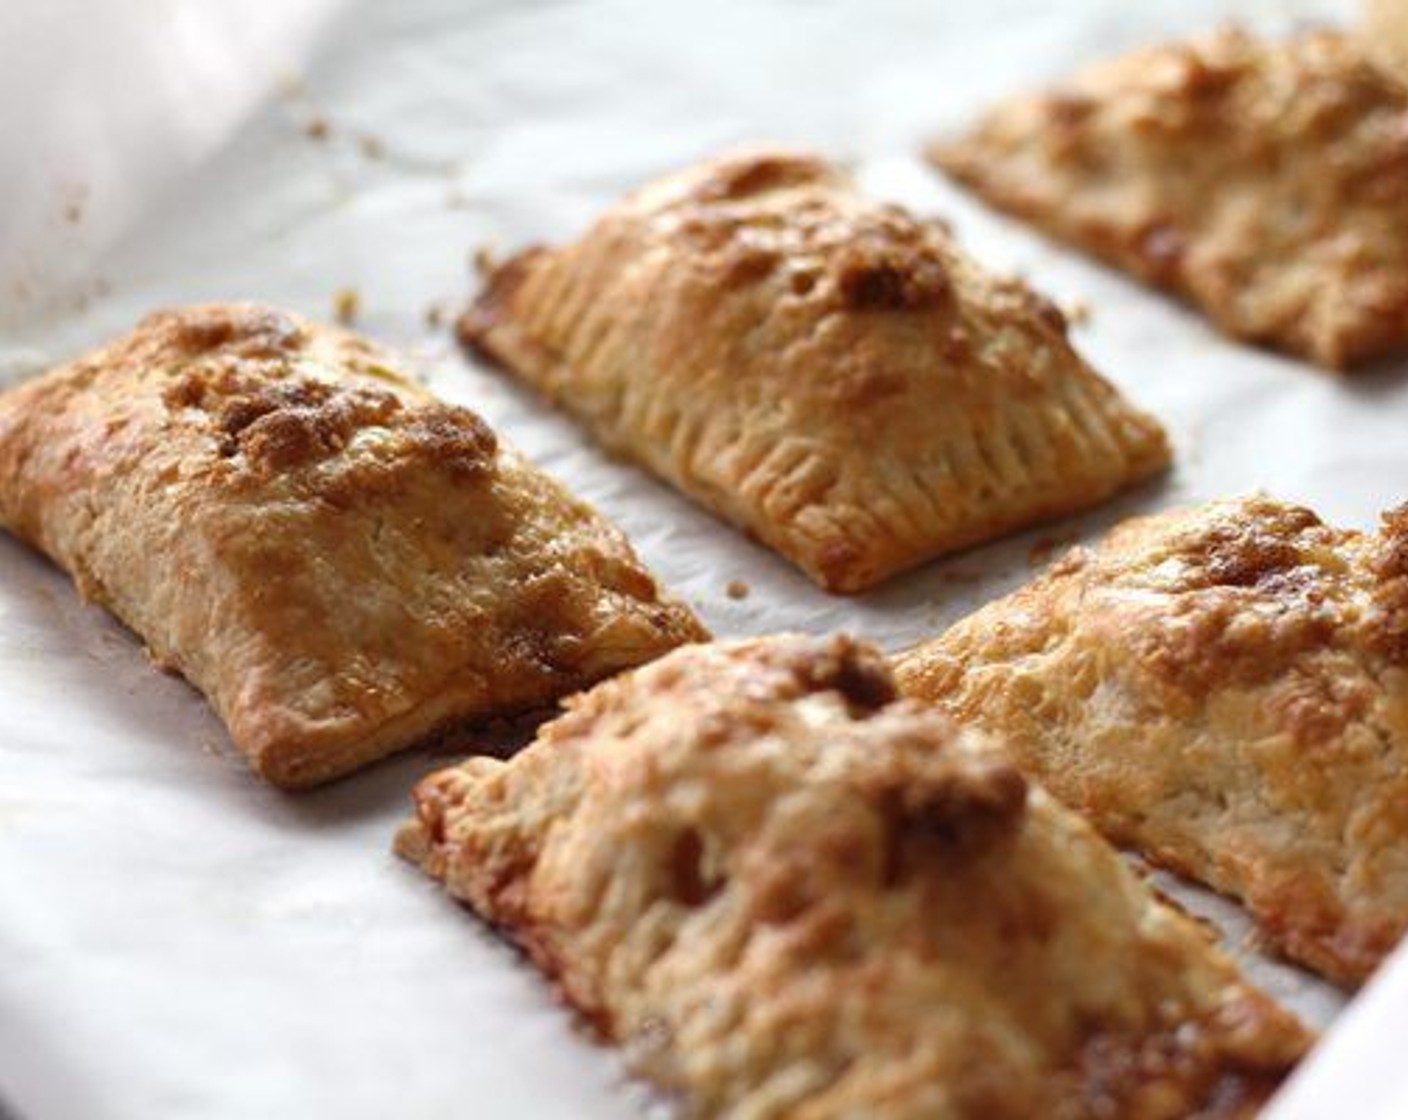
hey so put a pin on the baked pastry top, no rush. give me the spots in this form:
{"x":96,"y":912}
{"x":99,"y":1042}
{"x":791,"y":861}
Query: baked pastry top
{"x":1225,"y":689}
{"x":1265,"y":182}
{"x":825,"y":371}
{"x":788,"y":894}
{"x":340,"y":562}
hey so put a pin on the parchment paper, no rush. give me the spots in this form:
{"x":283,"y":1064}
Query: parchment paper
{"x":177,"y":940}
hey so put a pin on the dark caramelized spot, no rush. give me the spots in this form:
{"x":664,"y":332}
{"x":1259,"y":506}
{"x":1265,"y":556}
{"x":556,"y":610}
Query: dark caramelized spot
{"x":802,"y":282}
{"x":866,"y":684}
{"x":690,"y":885}
{"x":748,"y":264}
{"x":858,"y":673}
{"x":1203,"y":76}
{"x":1047,"y":312}
{"x":962,"y":800}
{"x":891,"y":278}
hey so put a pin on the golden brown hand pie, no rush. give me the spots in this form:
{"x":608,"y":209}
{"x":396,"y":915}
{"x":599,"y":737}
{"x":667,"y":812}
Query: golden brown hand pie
{"x":1225,"y":689}
{"x":340,"y":562}
{"x":788,"y":894}
{"x":824,"y":371}
{"x":1266,"y":183}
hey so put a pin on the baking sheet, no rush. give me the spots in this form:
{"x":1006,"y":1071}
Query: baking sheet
{"x":177,"y":940}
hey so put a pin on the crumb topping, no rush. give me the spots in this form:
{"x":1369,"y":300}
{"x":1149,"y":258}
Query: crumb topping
{"x":239,"y":330}
{"x":1239,"y":551}
{"x":866,"y":259}
{"x":887,"y":269}
{"x":857,"y":672}
{"x":274,"y":416}
{"x":1251,"y":595}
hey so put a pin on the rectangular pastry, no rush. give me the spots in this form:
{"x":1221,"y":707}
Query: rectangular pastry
{"x":340,"y":562}
{"x":1266,"y":182}
{"x":1224,"y":689}
{"x":826,"y":372}
{"x":788,"y":894}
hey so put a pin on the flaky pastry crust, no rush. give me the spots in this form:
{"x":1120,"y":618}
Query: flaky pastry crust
{"x":788,"y":894}
{"x":340,"y":562}
{"x":1224,"y":688}
{"x":824,"y":371}
{"x":1267,"y":183}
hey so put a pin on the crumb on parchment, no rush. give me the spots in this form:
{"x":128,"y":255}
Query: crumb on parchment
{"x":483,"y":260}
{"x":346,"y":306}
{"x":73,"y":203}
{"x":737,"y":589}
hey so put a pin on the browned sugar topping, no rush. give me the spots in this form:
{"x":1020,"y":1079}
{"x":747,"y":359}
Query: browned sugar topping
{"x":240,"y":331}
{"x":285,"y":425}
{"x":276,"y":419}
{"x":1249,"y":552}
{"x":890,"y":270}
{"x":880,"y":259}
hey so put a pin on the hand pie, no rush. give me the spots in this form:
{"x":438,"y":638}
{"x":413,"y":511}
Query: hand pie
{"x":1225,"y":689}
{"x":788,"y":895}
{"x":1265,"y":182}
{"x":826,"y":372}
{"x":340,"y":562}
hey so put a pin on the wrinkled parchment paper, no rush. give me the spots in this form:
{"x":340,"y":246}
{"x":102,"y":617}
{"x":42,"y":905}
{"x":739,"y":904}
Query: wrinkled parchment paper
{"x":177,"y":940}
